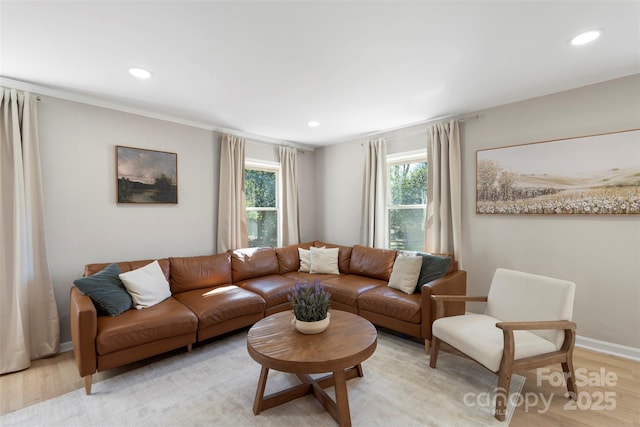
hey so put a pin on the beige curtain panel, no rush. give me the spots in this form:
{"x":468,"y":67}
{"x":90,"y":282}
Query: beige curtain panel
{"x":232,"y":214}
{"x":290,"y":208}
{"x":444,"y":190}
{"x":29,"y":326}
{"x":374,"y":199}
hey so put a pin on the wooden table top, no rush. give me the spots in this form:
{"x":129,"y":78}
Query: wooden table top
{"x":275,"y":343}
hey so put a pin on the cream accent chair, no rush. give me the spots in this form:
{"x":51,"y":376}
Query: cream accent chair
{"x":527,"y":324}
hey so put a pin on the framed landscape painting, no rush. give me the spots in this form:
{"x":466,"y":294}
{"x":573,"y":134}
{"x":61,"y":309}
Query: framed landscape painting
{"x":146,"y":176}
{"x":588,"y":175}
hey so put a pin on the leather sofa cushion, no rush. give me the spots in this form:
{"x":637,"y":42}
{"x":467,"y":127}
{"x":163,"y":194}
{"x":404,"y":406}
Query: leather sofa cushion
{"x":301,"y":276}
{"x":253,"y":262}
{"x":288,"y":259}
{"x":392,"y":303}
{"x":197,"y":272}
{"x":221,"y":303}
{"x":91,"y":269}
{"x":344,"y":255}
{"x":274,"y":289}
{"x":347,"y":288}
{"x":132,"y":328}
{"x":372,"y":262}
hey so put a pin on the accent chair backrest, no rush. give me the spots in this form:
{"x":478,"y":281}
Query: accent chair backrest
{"x":515,"y":296}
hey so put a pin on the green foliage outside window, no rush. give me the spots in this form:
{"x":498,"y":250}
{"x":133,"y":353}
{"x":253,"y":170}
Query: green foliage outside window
{"x":408,"y":188}
{"x":260,"y":188}
{"x":260,"y":193}
{"x":408,"y":183}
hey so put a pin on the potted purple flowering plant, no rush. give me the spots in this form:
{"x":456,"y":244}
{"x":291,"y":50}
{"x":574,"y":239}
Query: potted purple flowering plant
{"x":310,"y":306}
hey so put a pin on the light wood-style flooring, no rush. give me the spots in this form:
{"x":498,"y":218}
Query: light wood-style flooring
{"x":601,"y":401}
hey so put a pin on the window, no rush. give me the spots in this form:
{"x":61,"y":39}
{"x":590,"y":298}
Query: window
{"x":407,"y":200}
{"x":261,"y":196}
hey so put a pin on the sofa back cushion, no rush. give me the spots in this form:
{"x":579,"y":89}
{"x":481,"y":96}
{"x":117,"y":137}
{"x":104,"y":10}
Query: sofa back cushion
{"x":372,"y":262}
{"x":91,"y":269}
{"x":197,"y":272}
{"x":344,"y":255}
{"x":288,"y":259}
{"x":434,"y":266}
{"x":253,"y":262}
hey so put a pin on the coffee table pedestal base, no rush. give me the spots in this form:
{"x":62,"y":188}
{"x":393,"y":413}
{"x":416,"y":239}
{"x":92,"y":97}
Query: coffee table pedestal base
{"x":339,"y":409}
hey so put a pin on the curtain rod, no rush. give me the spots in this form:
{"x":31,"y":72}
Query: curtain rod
{"x":380,"y":134}
{"x":415,"y":131}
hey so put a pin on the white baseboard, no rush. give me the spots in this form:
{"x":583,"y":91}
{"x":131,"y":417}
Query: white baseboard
{"x":582,"y":342}
{"x":608,"y":348}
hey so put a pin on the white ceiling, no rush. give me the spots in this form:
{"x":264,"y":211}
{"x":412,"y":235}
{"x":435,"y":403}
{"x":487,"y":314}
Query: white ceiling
{"x":267,"y":68}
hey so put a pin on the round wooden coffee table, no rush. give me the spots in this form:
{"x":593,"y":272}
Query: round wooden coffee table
{"x":340,"y":349}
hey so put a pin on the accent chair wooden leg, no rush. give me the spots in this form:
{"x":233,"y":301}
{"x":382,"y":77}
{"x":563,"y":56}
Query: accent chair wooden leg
{"x":435,"y":347}
{"x":427,"y":345}
{"x":570,"y":378}
{"x":87,"y":383}
{"x":502,"y":393}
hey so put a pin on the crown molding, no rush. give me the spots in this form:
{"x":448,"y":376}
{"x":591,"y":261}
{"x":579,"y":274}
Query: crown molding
{"x":111,"y":105}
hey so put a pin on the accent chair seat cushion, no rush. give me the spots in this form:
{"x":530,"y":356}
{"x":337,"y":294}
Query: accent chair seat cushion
{"x":477,"y":336}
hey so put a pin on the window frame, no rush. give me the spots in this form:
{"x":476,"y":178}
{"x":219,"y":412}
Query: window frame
{"x":267,"y":166}
{"x":413,"y":156}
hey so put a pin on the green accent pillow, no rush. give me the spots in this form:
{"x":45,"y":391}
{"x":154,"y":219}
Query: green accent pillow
{"x":433,"y":267}
{"x":106,"y":290}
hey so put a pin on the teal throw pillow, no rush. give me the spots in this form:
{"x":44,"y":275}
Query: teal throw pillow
{"x":106,"y":290}
{"x":433,"y":267}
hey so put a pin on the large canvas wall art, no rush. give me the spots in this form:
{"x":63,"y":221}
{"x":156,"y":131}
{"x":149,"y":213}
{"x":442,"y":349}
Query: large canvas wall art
{"x":588,"y":175}
{"x":146,"y":176}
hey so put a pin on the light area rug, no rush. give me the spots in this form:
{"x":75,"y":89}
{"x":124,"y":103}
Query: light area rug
{"x":215,"y":385}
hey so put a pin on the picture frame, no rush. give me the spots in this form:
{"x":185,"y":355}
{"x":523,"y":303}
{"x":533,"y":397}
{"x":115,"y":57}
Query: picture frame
{"x":146,"y":176}
{"x":587,"y":175}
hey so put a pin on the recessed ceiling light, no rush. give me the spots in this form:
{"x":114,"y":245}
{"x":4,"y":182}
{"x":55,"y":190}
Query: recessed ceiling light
{"x":586,"y":37}
{"x":313,"y":124}
{"x":140,"y":73}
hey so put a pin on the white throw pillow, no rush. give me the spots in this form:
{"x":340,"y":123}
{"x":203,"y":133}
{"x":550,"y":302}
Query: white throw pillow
{"x":405,"y":273}
{"x":324,"y":261}
{"x":147,"y":285}
{"x":305,"y":259}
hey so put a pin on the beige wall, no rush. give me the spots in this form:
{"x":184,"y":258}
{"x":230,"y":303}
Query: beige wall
{"x":601,"y":254}
{"x":83,"y":222}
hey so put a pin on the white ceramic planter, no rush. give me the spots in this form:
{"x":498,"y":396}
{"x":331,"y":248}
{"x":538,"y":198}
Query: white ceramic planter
{"x":311,"y":327}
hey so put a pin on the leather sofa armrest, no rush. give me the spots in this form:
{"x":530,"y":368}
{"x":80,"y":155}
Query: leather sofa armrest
{"x":83,"y":318}
{"x":451,"y":284}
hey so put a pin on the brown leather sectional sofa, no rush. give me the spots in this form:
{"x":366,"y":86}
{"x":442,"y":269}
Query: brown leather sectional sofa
{"x":215,"y":294}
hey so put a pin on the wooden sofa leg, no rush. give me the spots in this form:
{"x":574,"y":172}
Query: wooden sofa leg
{"x":427,"y":345}
{"x":87,"y":383}
{"x":189,"y":348}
